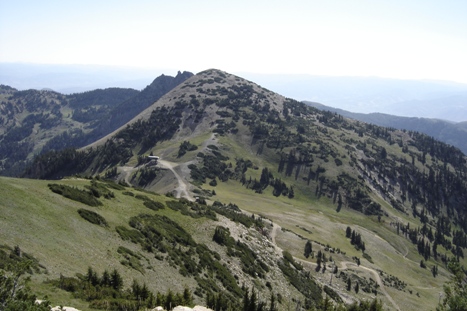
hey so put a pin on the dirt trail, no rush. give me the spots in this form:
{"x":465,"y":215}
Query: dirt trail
{"x":181,"y":176}
{"x":126,"y":172}
{"x":275,"y":228}
{"x":182,"y":189}
{"x":344,"y":265}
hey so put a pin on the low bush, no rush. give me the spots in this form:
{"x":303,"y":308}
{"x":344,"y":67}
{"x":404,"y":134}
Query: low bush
{"x":93,"y":217}
{"x":75,"y":194}
{"x":154,"y":205}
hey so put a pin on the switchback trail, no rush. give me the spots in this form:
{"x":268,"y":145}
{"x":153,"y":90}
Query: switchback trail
{"x":344,"y":266}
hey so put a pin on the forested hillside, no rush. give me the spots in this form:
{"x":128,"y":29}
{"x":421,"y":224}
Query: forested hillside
{"x":33,"y":122}
{"x":445,"y":131}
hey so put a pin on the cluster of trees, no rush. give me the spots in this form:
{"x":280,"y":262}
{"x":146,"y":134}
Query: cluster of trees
{"x":427,"y":240}
{"x":233,"y":212}
{"x":16,"y":267}
{"x":184,"y":147}
{"x":424,"y":248}
{"x":455,"y":297}
{"x":212,"y":167}
{"x":107,"y":292}
{"x":15,"y":294}
{"x":267,"y":179}
{"x":251,"y":302}
{"x":355,"y":239}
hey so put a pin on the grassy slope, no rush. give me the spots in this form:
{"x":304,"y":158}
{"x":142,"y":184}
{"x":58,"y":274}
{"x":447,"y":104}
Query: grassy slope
{"x":47,"y":226}
{"x":393,"y":254}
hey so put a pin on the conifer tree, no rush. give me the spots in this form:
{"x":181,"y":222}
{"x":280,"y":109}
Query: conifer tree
{"x":308,"y":249}
{"x":116,"y":280}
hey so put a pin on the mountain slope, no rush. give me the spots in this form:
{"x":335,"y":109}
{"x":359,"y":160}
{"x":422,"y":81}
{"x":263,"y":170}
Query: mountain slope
{"x":448,"y":132}
{"x":179,"y":251}
{"x":315,"y":173}
{"x":34,"y":121}
{"x":128,"y":109}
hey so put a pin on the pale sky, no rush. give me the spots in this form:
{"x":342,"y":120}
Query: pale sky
{"x":406,"y":39}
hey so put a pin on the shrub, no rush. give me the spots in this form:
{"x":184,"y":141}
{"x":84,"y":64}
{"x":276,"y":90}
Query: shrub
{"x":93,"y":217}
{"x":75,"y":194}
{"x":333,"y":294}
{"x":129,"y":234}
{"x":154,"y":205}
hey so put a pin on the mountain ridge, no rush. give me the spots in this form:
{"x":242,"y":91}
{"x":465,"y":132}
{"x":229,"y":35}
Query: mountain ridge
{"x":34,"y":121}
{"x":449,"y":132}
{"x":358,"y":192}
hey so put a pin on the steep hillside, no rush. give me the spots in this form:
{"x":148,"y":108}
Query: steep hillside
{"x":451,"y":133}
{"x":77,"y":229}
{"x":33,"y":122}
{"x":128,"y":109}
{"x":369,"y":197}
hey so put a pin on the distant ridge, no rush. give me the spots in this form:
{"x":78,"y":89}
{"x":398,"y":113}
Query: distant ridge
{"x":130,"y":108}
{"x":36,"y":121}
{"x":451,"y":133}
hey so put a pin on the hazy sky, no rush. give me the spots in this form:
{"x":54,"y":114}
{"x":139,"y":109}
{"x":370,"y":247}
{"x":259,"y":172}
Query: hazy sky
{"x":410,"y":39}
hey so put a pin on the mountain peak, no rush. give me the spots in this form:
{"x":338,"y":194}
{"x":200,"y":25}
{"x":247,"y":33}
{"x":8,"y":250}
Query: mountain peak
{"x":215,"y":84}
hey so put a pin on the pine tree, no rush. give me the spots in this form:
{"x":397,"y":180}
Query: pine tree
{"x":106,"y":280}
{"x":246,"y":301}
{"x":116,"y":280}
{"x":92,"y":277}
{"x":187,"y":297}
{"x":352,"y":238}
{"x":308,"y":249}
{"x":169,"y":300}
{"x":318,"y":262}
{"x":253,"y":301}
{"x":272,"y":303}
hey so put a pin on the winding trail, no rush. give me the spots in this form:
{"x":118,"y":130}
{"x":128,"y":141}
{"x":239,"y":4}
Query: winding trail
{"x":344,"y":266}
{"x":182,"y":189}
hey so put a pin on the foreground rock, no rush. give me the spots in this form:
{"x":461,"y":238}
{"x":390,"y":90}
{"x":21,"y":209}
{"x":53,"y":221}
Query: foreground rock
{"x":196,"y":308}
